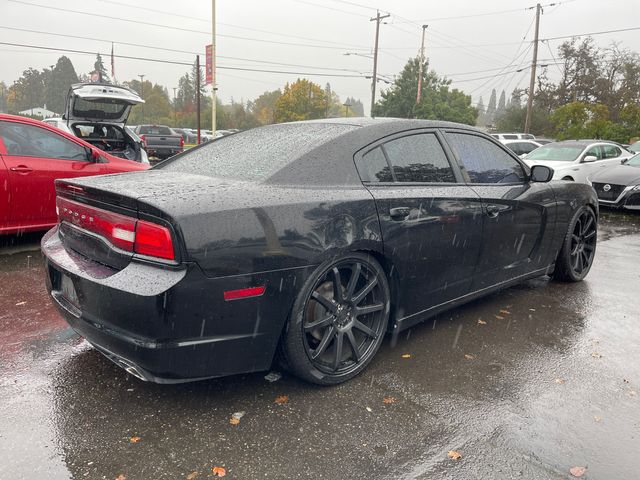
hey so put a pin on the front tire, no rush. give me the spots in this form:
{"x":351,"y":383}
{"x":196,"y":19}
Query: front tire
{"x":338,"y":321}
{"x":579,"y":247}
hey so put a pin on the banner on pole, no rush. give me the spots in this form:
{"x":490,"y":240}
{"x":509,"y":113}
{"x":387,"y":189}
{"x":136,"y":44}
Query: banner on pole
{"x":209,"y":65}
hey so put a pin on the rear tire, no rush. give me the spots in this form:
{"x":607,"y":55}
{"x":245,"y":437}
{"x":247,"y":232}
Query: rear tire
{"x":578,"y":248}
{"x":338,"y":321}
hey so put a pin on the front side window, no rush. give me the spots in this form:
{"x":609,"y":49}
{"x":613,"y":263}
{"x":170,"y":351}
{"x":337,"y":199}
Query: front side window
{"x":594,"y":152}
{"x":30,"y":141}
{"x":484,"y":161}
{"x":419,"y":158}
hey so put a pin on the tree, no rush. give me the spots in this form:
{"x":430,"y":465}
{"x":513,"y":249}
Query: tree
{"x":356,"y":106}
{"x":481,"y":113}
{"x":4,"y":92}
{"x":302,"y":100}
{"x":58,"y":82}
{"x":263,"y":107}
{"x":490,"y":116}
{"x":502,"y":105}
{"x":157,"y":107}
{"x":437,"y":103}
{"x":27,"y":92}
{"x":99,"y":67}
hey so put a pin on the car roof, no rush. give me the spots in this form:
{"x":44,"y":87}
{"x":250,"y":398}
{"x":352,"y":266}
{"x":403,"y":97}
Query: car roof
{"x":368,"y":121}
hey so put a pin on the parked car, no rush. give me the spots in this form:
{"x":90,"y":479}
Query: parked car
{"x":188,"y":137}
{"x":521,"y":147}
{"x":160,"y":141}
{"x":513,"y":136}
{"x":97,"y":113}
{"x":576,"y":160}
{"x":32,"y":155}
{"x":250,"y":245}
{"x":58,"y":122}
{"x":619,"y":187}
{"x":634,"y":147}
{"x":544,"y":141}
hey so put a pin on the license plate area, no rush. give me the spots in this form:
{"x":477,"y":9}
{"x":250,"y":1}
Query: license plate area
{"x":68,"y":291}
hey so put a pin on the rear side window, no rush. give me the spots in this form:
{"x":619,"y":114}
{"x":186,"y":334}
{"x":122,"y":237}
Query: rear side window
{"x":483,"y":161}
{"x":156,"y":130}
{"x":373,"y":167}
{"x":510,"y":137}
{"x":419,"y":158}
{"x":611,"y":151}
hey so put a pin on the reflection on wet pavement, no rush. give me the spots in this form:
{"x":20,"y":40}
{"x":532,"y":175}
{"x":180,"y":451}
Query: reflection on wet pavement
{"x":526,"y":383}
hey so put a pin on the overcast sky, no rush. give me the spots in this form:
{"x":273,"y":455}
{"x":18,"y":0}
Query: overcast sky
{"x":308,"y":37}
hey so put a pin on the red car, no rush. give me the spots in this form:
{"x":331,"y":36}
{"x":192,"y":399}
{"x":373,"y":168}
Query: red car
{"x":34,"y":154}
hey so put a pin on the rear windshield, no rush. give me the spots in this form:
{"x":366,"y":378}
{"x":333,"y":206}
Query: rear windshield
{"x":255,"y":154}
{"x":558,"y":153}
{"x":155,"y":130}
{"x":104,"y":108}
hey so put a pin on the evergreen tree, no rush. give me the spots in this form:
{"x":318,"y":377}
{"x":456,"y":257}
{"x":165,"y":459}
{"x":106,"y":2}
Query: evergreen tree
{"x":99,"y":67}
{"x":481,"y":113}
{"x":58,"y":82}
{"x":502,"y":105}
{"x":491,"y":109}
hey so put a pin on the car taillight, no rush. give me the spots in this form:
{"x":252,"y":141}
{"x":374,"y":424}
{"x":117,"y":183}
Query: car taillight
{"x":181,"y":142}
{"x":143,"y":140}
{"x":122,"y":231}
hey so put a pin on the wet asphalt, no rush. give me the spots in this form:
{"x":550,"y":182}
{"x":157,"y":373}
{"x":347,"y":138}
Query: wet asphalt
{"x":526,"y":383}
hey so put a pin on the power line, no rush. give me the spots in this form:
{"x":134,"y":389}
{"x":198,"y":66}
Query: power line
{"x":173,"y":62}
{"x":172,"y":49}
{"x":331,"y":8}
{"x":171,"y":27}
{"x":603,"y":32}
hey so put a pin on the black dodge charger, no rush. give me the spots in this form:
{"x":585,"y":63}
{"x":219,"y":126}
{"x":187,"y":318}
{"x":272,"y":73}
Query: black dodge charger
{"x":304,"y":242}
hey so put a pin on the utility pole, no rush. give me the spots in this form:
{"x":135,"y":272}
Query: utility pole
{"x":213,"y":68}
{"x":532,"y":82}
{"x":377,"y":19}
{"x":142,"y":93}
{"x":419,"y":95}
{"x":198,"y":95}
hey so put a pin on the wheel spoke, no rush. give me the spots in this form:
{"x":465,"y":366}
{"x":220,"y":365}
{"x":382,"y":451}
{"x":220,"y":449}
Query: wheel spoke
{"x":337,"y":285}
{"x":587,"y":225}
{"x":365,"y":291}
{"x":585,"y":260}
{"x":354,"y":345}
{"x":574,"y":251}
{"x":319,"y":323}
{"x":338,"y":357}
{"x":325,"y":302}
{"x":575,"y":238}
{"x":576,"y":259}
{"x":363,"y":328}
{"x":590,"y":234}
{"x":369,"y":309}
{"x":353,"y":281}
{"x":581,"y":265}
{"x":589,"y":247}
{"x":324,"y":343}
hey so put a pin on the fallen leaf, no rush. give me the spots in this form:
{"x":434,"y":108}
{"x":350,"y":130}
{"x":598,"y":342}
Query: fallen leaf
{"x":19,"y":304}
{"x":281,"y":399}
{"x":481,"y":322}
{"x":406,"y":355}
{"x":596,"y":355}
{"x":499,"y":317}
{"x":597,"y":419}
{"x":453,"y":455}
{"x":192,"y":475}
{"x":469,"y":357}
{"x":559,"y":381}
{"x":369,"y":409}
{"x":532,"y":309}
{"x":389,"y":400}
{"x":234,"y":421}
{"x":505,"y":312}
{"x":219,"y":471}
{"x":577,"y":471}
{"x":273,"y":376}
{"x":135,"y":439}
{"x":121,"y":477}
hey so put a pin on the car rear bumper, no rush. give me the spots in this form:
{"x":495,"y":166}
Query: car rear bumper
{"x":163,"y":152}
{"x":169,"y":325}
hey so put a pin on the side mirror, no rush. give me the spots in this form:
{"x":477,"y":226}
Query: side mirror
{"x":624,"y":160}
{"x":589,"y":159}
{"x":96,"y":157}
{"x":541,"y":173}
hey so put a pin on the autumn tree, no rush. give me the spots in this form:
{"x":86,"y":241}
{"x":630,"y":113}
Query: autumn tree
{"x":27,"y":92}
{"x":263,"y":108}
{"x":301,"y":100}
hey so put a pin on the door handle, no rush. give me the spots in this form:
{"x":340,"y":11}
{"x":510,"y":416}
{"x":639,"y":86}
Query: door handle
{"x":494,"y":210}
{"x":21,"y":169}
{"x":399,"y":213}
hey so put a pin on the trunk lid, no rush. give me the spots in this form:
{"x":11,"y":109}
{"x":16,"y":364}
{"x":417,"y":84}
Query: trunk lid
{"x":97,"y":102}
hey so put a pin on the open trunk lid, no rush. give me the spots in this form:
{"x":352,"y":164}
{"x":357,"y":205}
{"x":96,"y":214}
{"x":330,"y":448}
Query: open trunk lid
{"x":97,"y":102}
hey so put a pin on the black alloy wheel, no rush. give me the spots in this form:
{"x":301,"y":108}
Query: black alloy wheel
{"x":340,"y":320}
{"x":579,"y":248}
